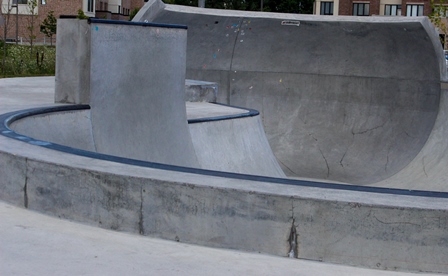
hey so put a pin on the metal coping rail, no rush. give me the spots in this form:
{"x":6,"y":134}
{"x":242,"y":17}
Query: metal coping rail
{"x":8,"y":118}
{"x":132,"y":23}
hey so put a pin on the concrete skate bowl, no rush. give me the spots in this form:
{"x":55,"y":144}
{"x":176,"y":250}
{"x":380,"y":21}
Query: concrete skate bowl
{"x":340,"y":99}
{"x":383,"y":228}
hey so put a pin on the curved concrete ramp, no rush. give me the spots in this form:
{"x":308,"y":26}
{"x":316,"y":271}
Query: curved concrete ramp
{"x":224,"y":138}
{"x":342,"y":98}
{"x":238,"y":145}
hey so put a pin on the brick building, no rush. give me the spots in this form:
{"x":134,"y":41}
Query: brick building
{"x":20,"y":10}
{"x":373,"y":7}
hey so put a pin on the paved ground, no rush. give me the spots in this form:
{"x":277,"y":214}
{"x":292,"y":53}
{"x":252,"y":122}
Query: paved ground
{"x":35,"y":244}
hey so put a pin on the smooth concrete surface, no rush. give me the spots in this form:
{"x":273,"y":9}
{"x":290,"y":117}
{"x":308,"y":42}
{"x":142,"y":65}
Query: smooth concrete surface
{"x":72,"y":129}
{"x":238,"y":145}
{"x":138,"y":100}
{"x":35,"y":244}
{"x":351,"y":99}
{"x":381,"y":231}
{"x":73,"y":66}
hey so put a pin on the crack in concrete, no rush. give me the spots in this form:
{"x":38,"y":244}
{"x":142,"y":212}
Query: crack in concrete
{"x":312,"y":136}
{"x":370,"y":129}
{"x":293,"y":244}
{"x":25,"y":187}
{"x":424,"y":166}
{"x":140,"y":222}
{"x":387,"y":159}
{"x":342,"y":159}
{"x":348,"y":147}
{"x":293,"y":172}
{"x":326,"y":163}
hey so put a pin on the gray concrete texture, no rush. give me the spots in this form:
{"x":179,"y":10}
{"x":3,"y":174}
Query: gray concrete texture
{"x":138,"y":100}
{"x":237,"y":145}
{"x":35,"y":244}
{"x":201,"y":91}
{"x":138,"y":103}
{"x":376,"y":231}
{"x":342,"y":99}
{"x":73,"y":64}
{"x":381,"y":231}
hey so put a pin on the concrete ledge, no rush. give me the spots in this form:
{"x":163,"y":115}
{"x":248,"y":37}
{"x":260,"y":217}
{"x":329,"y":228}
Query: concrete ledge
{"x":201,"y":91}
{"x":386,"y":231}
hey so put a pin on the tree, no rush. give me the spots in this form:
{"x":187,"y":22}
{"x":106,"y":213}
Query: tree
{"x":32,"y":5}
{"x":48,"y":26}
{"x":5,"y":14}
{"x":81,"y":15}
{"x":133,"y":13}
{"x":438,"y":19}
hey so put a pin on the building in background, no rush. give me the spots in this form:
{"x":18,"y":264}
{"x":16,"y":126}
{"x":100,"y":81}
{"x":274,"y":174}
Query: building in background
{"x":19,"y":11}
{"x":389,"y":8}
{"x":373,"y":7}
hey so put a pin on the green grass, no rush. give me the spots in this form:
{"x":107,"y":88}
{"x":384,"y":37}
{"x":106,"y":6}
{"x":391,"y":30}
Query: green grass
{"x":19,"y":62}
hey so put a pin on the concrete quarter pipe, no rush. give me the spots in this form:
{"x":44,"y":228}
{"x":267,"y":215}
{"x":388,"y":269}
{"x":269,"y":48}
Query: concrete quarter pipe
{"x":340,"y":99}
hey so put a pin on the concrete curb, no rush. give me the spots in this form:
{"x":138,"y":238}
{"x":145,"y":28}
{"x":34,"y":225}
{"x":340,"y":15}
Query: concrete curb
{"x":345,"y":227}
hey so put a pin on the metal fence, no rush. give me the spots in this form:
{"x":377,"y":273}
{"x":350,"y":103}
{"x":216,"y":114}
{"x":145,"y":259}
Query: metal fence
{"x":36,"y":41}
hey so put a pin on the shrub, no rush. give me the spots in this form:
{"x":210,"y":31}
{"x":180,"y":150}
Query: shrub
{"x":19,"y":63}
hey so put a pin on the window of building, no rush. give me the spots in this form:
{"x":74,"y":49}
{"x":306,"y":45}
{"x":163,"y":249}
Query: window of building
{"x":90,"y":5}
{"x":43,"y":2}
{"x":361,"y":9}
{"x":394,"y":10}
{"x":326,"y":8}
{"x":414,"y":10}
{"x":15,"y":2}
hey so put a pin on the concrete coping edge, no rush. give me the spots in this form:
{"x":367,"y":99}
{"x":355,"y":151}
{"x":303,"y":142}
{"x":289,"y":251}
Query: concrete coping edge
{"x":8,"y":118}
{"x":132,"y":23}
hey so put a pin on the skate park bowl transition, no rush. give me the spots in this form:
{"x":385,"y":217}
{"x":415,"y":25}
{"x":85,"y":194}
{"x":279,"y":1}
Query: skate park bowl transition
{"x":357,"y":123}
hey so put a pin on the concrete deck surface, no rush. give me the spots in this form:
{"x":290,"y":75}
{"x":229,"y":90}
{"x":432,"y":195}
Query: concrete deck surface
{"x":35,"y":244}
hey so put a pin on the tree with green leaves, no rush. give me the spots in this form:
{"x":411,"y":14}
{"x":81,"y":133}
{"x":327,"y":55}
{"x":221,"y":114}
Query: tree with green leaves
{"x":81,"y":15}
{"x":133,"y":13}
{"x":48,"y":26}
{"x":439,"y":19}
{"x":5,"y":14}
{"x":32,"y":5}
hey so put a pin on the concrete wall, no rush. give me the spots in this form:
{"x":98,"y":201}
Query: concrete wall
{"x":340,"y":98}
{"x":73,"y":62}
{"x":72,"y":129}
{"x":364,"y":229}
{"x":137,"y":92}
{"x":237,"y":145}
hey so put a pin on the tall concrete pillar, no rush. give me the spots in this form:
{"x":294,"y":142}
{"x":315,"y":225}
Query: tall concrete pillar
{"x":137,"y":84}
